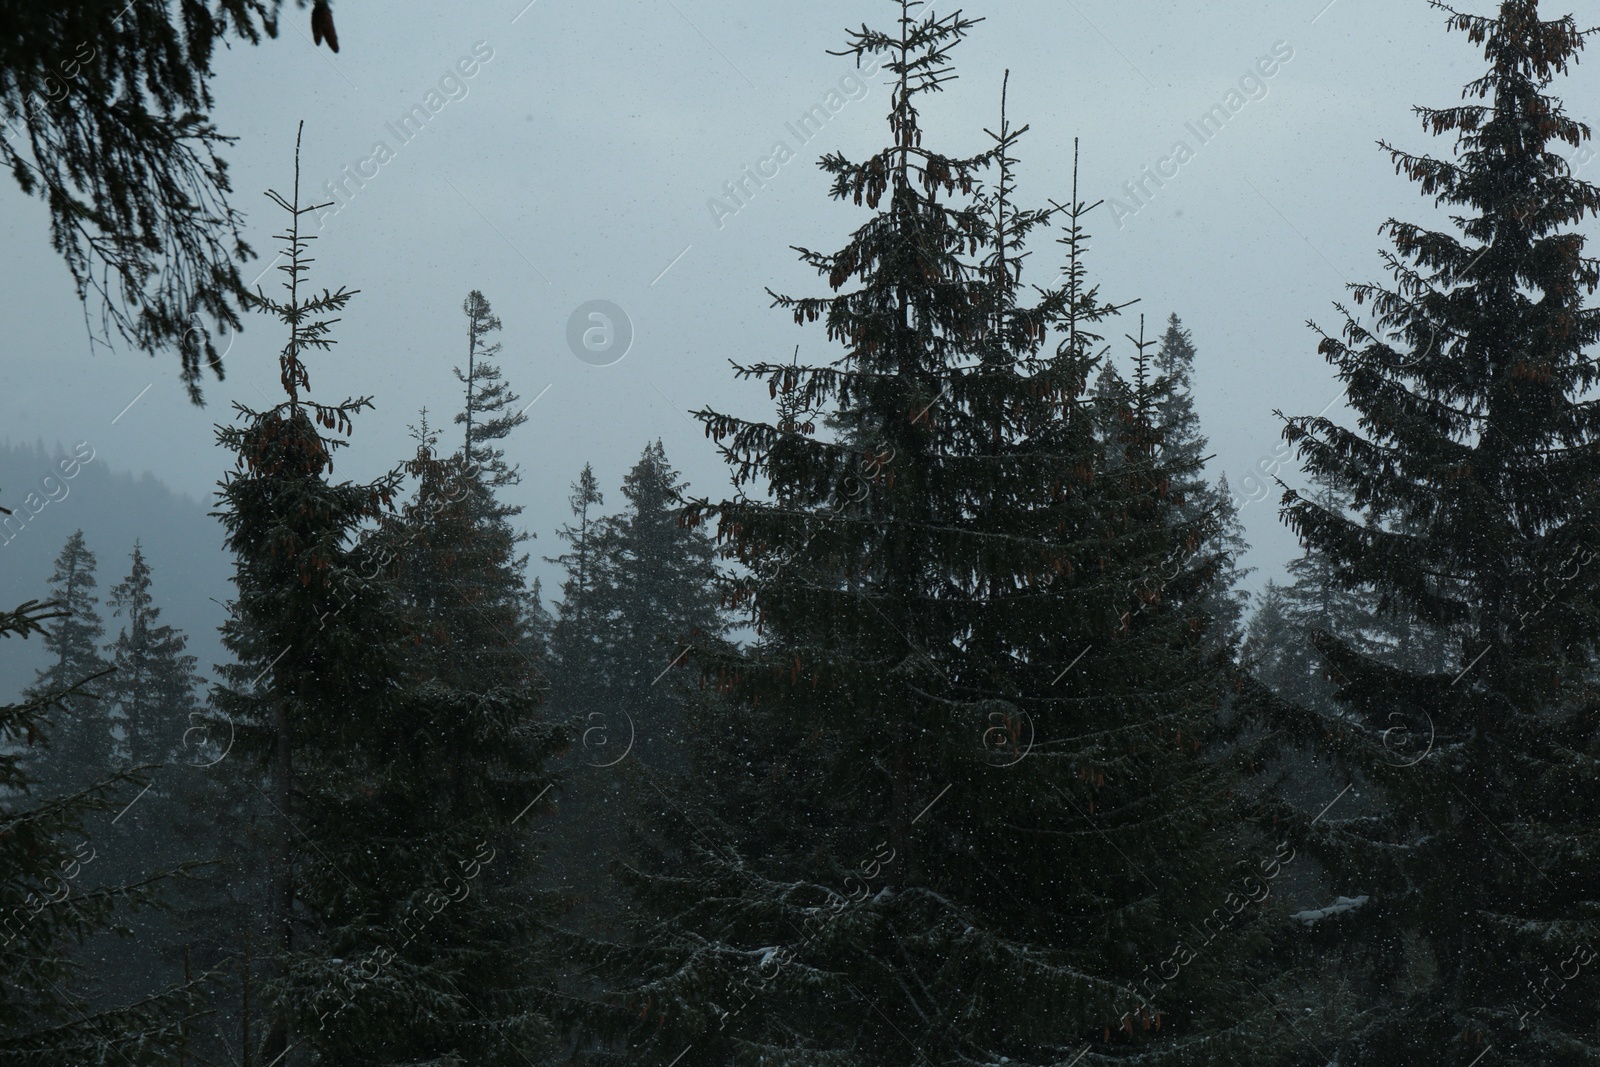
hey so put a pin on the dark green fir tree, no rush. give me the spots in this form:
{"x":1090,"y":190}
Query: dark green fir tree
{"x":152,"y":695}
{"x":82,"y":749}
{"x":307,"y":680}
{"x":640,"y":591}
{"x":468,"y":771}
{"x":400,"y":751}
{"x":660,"y":598}
{"x":581,"y":619}
{"x":1184,"y":445}
{"x":53,"y":898}
{"x":487,"y":416}
{"x":967,"y":809}
{"x":1472,"y":473}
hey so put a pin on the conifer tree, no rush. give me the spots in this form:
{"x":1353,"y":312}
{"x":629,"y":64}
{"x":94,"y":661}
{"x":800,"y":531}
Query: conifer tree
{"x":487,"y":414}
{"x":83,"y":749}
{"x":539,"y":626}
{"x":1282,"y":654}
{"x":639,"y":592}
{"x":152,"y":692}
{"x":916,"y":742}
{"x":52,"y":900}
{"x":659,"y":599}
{"x":1472,"y":476}
{"x":150,"y":704}
{"x":1268,"y":638}
{"x":472,"y":694}
{"x":1112,"y":396}
{"x":460,"y":575}
{"x":394,"y":786}
{"x":576,"y":635}
{"x":302,"y":635}
{"x":1229,"y":604}
{"x":1185,"y":443}
{"x":1181,"y":423}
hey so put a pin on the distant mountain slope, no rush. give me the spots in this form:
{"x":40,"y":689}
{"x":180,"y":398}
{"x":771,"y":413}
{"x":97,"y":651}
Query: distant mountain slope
{"x":49,"y":500}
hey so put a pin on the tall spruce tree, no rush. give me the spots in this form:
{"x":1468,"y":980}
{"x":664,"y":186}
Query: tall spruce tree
{"x":82,"y":751}
{"x":1178,"y":419}
{"x":470,"y":764}
{"x":460,"y":576}
{"x":401,"y":753}
{"x":960,"y":793}
{"x":640,"y":591}
{"x":308,"y":681}
{"x":1475,"y":460}
{"x":589,"y":832}
{"x":151,"y":705}
{"x":150,"y":709}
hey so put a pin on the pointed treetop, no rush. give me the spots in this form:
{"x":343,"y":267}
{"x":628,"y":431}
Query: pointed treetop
{"x":487,"y":413}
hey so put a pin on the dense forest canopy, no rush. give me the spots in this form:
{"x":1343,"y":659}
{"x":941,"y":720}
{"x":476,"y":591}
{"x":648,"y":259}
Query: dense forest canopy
{"x":956,"y":727}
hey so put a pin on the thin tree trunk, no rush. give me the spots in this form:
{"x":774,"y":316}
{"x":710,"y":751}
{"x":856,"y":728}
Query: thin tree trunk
{"x":472,"y":351}
{"x":244,"y":1003}
{"x":183,"y":1029}
{"x":283,"y":893}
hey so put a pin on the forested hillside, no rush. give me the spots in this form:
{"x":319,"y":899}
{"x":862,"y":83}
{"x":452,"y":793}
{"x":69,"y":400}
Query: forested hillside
{"x":97,"y":494}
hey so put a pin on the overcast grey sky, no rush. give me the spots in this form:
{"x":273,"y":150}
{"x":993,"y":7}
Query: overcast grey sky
{"x":578,"y":161}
